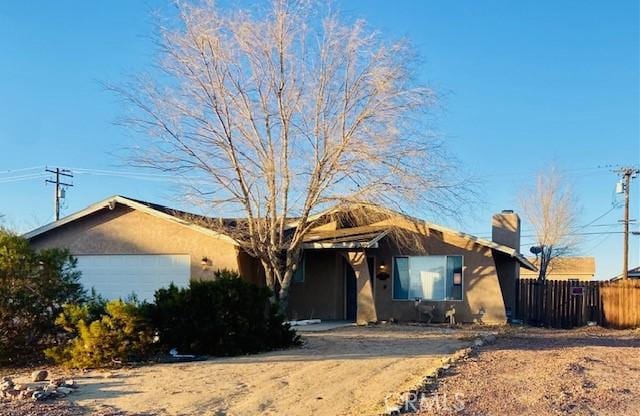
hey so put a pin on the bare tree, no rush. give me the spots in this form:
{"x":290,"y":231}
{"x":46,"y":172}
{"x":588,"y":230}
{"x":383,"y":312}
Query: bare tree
{"x":282,"y":113}
{"x":551,"y":208}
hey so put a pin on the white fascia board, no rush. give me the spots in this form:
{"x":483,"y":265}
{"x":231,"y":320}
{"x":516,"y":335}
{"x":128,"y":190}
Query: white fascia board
{"x":132,"y":204}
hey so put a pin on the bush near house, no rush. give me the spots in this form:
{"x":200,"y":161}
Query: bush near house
{"x":103,"y":334}
{"x":226,"y":316}
{"x":34,"y":286}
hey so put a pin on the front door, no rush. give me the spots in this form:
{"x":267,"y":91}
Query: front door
{"x":351,"y":287}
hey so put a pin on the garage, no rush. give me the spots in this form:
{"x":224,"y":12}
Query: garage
{"x":118,"y":276}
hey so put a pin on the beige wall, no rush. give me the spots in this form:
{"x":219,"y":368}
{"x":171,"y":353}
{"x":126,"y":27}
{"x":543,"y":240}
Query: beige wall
{"x":323,"y":290}
{"x":127,"y":231}
{"x":322,"y":294}
{"x":481,"y":288}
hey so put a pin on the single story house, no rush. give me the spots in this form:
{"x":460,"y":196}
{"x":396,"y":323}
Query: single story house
{"x":632,"y":273}
{"x":358,"y":272}
{"x":564,"y":268}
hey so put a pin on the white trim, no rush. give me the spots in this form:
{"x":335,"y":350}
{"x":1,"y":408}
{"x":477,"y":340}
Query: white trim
{"x":339,"y":245}
{"x":393,"y":280}
{"x":480,"y":241}
{"x":107,"y":203}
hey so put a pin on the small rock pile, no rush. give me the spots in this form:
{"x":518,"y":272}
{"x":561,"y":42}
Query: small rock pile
{"x":55,"y":389}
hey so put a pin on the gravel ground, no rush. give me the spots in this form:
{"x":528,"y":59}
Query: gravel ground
{"x":345,"y":371}
{"x":53,"y":408}
{"x":589,"y":371}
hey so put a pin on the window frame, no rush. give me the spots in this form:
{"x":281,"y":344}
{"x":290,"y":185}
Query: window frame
{"x":303,"y":264}
{"x":393,"y":279}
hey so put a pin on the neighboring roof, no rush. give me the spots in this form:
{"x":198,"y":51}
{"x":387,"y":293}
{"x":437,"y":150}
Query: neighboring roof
{"x":159,"y":211}
{"x":566,"y":266}
{"x":632,"y":273}
{"x":512,"y":252}
{"x":354,"y":237}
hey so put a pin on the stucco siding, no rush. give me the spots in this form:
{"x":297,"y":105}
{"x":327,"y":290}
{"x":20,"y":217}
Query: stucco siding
{"x":127,"y":231}
{"x":323,"y":290}
{"x":321,"y":295}
{"x":481,"y":288}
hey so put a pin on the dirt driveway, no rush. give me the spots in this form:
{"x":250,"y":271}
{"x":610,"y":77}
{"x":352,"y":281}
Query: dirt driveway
{"x":346,"y":371}
{"x":589,"y":371}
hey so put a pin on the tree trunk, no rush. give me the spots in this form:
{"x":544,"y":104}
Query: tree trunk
{"x":269,"y":278}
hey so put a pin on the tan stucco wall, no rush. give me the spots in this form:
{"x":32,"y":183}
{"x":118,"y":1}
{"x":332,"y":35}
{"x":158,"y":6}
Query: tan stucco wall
{"x":322,"y":294}
{"x":127,"y":231}
{"x":508,"y":270}
{"x":481,"y":288}
{"x":323,"y":290}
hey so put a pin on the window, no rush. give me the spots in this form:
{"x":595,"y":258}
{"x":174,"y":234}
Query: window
{"x":298,"y":274}
{"x":427,"y":277}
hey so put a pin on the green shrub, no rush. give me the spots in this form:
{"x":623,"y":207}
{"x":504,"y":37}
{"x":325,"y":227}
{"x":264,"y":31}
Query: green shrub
{"x":33,"y":287}
{"x":101,"y":338}
{"x":226,"y":316}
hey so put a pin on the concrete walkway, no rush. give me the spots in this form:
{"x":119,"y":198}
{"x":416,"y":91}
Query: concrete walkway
{"x":323,"y":326}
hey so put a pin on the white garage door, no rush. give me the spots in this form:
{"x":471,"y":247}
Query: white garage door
{"x":118,"y":276}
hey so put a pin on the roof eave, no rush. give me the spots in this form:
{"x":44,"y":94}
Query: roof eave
{"x":329,"y":245}
{"x":131,"y":204}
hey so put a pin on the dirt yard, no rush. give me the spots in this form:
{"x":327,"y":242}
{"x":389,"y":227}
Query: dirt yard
{"x":589,"y":371}
{"x":347,"y":371}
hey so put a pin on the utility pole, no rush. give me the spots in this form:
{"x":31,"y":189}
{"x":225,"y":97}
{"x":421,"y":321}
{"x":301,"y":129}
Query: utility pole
{"x":627,"y":174}
{"x":59,"y":188}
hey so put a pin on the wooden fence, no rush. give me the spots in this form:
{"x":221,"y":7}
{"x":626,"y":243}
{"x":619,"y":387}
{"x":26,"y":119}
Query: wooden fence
{"x":568,"y":304}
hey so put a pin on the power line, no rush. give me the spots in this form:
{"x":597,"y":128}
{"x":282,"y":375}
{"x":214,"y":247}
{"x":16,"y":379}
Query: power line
{"x":59,"y":190}
{"x":577,"y":227}
{"x":20,"y":178}
{"x":4,"y":172}
{"x":626,"y":173}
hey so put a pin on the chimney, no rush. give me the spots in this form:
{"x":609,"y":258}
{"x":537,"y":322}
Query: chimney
{"x":505,"y":229}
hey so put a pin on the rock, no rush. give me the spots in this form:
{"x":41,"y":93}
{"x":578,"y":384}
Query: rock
{"x":56,"y":381}
{"x":6,"y":385}
{"x":490,"y":339}
{"x":64,"y":390}
{"x":12,"y":394}
{"x":40,"y":395}
{"x":478,"y":342}
{"x":40,"y":375}
{"x":20,"y":387}
{"x":50,"y":388}
{"x":70,"y":383}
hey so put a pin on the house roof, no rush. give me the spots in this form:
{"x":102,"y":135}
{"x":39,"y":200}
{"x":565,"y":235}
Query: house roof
{"x":512,"y":252}
{"x":567,"y":266}
{"x":362,"y":237}
{"x":156,"y":210}
{"x":633,"y":273}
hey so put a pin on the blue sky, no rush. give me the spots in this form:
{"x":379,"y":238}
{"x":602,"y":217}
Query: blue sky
{"x":522,"y":84}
